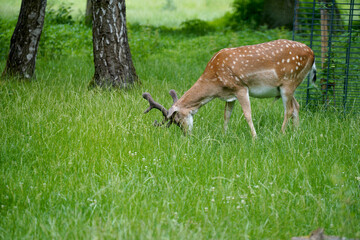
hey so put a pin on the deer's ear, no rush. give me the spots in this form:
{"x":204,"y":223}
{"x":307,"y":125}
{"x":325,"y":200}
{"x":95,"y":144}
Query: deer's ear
{"x":171,"y":111}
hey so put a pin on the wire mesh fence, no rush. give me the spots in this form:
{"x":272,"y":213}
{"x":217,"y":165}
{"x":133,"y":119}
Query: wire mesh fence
{"x":332,"y":29}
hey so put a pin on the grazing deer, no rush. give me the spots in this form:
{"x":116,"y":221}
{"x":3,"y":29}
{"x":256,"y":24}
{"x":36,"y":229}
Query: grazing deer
{"x":272,"y":69}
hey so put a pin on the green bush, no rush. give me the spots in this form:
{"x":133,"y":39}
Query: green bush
{"x":196,"y":27}
{"x":6,"y":29}
{"x":62,"y":15}
{"x":246,"y":12}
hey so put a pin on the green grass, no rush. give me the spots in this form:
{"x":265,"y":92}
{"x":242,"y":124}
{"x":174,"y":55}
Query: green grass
{"x":87,"y":164}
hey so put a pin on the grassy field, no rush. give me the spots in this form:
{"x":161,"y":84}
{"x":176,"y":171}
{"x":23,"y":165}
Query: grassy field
{"x":170,"y":13}
{"x":80,"y":164}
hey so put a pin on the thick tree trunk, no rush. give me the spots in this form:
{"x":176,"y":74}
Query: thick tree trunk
{"x":112,"y":57}
{"x":25,"y":39}
{"x":88,"y":13}
{"x":279,"y":13}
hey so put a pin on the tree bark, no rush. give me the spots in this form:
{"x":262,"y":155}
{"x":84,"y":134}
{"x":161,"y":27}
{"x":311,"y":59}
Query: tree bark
{"x":25,"y":39}
{"x":112,"y":57}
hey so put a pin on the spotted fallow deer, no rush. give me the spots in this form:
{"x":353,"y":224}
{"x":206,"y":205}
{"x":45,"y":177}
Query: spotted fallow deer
{"x":272,"y":69}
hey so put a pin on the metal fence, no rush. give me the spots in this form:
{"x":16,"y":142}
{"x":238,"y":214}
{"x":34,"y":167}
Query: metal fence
{"x":332,"y":29}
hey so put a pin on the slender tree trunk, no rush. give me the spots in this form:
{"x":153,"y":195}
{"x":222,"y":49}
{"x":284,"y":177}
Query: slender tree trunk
{"x":329,"y":16}
{"x":112,"y":57}
{"x":25,"y":39}
{"x":88,"y":13}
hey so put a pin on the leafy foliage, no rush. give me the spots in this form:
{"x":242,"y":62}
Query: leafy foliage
{"x":246,"y":12}
{"x":60,"y":40}
{"x":196,"y":26}
{"x":60,"y":15}
{"x":6,"y":30}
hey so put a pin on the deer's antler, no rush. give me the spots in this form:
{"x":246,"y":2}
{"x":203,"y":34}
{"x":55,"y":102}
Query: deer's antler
{"x":155,"y":105}
{"x":173,"y":95}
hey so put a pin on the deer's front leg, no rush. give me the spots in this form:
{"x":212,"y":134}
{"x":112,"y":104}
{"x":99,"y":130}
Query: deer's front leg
{"x":244,"y":100}
{"x":229,"y":106}
{"x":289,"y":105}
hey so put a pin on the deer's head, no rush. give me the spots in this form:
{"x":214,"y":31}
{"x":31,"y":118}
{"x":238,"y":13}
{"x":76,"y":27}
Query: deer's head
{"x":173,"y":115}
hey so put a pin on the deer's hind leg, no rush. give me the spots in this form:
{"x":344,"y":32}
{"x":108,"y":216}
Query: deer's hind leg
{"x":296,"y":113}
{"x":291,"y":108}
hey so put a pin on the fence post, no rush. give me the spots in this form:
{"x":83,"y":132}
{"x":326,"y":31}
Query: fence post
{"x":331,"y":29}
{"x":311,"y":46}
{"x":348,"y":52}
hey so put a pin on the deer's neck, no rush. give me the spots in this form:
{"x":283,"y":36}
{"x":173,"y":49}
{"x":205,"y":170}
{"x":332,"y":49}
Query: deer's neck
{"x":197,"y":96}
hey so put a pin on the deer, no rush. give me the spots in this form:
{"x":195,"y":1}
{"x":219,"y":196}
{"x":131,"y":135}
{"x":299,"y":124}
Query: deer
{"x":267,"y":70}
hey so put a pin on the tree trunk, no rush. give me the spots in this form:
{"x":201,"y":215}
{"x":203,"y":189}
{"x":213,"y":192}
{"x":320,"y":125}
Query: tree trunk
{"x":112,"y":57}
{"x":25,"y":39}
{"x":88,"y":13}
{"x":330,"y":15}
{"x":278,"y":13}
